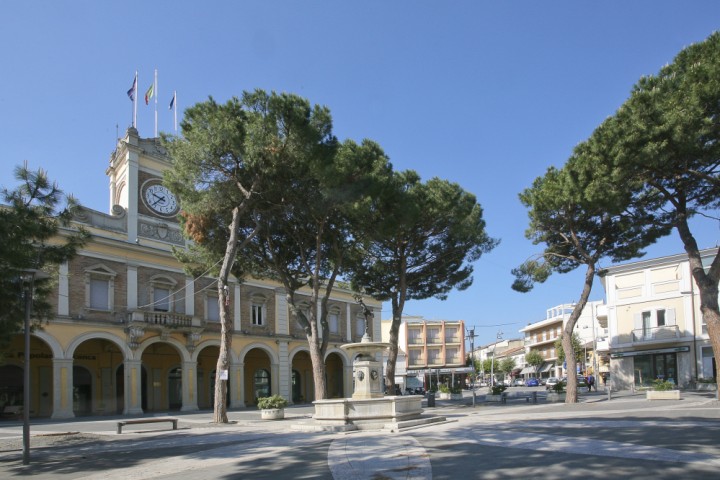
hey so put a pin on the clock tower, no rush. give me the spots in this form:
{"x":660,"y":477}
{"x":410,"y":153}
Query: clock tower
{"x":135,"y":173}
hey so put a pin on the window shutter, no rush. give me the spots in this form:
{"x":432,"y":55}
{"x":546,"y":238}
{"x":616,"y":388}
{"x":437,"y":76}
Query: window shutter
{"x":670,"y":316}
{"x":637,"y":319}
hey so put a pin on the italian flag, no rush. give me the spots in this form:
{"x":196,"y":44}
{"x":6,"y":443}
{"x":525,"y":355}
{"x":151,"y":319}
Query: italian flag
{"x":149,"y":93}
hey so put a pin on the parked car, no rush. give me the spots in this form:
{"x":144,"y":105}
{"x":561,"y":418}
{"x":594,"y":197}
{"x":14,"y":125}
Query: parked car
{"x":551,"y":382}
{"x":532,"y":382}
{"x":518,"y":382}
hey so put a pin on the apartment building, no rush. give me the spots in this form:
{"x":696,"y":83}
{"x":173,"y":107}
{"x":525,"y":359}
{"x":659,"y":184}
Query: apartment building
{"x":541,"y":337}
{"x":655,"y":325}
{"x":133,"y":332}
{"x":431,"y":352}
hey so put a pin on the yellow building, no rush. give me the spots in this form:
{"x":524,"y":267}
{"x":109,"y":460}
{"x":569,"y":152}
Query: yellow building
{"x":133,"y":333}
{"x":656,"y":328}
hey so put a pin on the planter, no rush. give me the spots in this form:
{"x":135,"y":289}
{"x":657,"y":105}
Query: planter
{"x":707,"y":387}
{"x":449,"y":396}
{"x":554,"y":397}
{"x":662,"y":394}
{"x":493,"y":398}
{"x":272,"y":413}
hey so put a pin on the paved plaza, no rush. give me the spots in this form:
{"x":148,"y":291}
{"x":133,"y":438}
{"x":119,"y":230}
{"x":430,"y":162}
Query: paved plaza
{"x":623,"y":437}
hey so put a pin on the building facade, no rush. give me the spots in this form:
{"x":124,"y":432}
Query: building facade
{"x":431,"y":352}
{"x":133,"y":332}
{"x":541,"y":337}
{"x":656,"y":329}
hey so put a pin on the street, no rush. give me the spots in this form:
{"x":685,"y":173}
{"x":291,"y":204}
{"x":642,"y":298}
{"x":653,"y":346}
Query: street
{"x":627,"y":437}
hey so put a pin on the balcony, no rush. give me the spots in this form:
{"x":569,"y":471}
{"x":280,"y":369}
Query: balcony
{"x":666,"y":332}
{"x":160,"y":320}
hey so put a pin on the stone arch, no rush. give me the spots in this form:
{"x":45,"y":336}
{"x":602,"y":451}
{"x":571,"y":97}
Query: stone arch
{"x":182,"y":351}
{"x":111,"y":337}
{"x":270,"y":352}
{"x":212,"y":343}
{"x":57,"y":350}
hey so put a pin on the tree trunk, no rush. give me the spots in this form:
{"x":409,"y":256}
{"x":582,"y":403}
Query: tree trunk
{"x":568,"y":348}
{"x":707,"y":282}
{"x":223,"y":363}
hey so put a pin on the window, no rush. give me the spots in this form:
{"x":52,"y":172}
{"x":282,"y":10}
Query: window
{"x":99,"y":288}
{"x":258,"y":310}
{"x":212,"y":309}
{"x":261,"y":381}
{"x":333,"y":322}
{"x":161,"y":293}
{"x":99,"y":294}
{"x":661,"y":318}
{"x":257,"y":314}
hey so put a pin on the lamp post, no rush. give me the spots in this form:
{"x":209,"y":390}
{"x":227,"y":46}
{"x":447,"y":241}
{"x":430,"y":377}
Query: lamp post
{"x":471,"y":336}
{"x":29,"y":282}
{"x":492,"y":362}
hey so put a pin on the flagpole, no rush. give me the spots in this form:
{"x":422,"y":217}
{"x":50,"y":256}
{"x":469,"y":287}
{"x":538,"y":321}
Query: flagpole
{"x":156,"y":97}
{"x":135,"y":101}
{"x":175,"y":110}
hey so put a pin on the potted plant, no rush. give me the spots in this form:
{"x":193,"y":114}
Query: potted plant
{"x":272,"y":407}
{"x":495,"y":394}
{"x":662,"y":390}
{"x":557,"y":393}
{"x":444,"y":392}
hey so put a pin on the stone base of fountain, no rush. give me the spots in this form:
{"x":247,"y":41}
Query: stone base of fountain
{"x":368,"y":409}
{"x":391,"y":413}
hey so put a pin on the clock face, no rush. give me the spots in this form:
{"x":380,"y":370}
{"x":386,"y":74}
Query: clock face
{"x":161,"y":200}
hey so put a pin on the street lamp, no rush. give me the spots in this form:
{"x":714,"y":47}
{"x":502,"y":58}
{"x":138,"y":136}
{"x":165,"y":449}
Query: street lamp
{"x":492,"y":362}
{"x":30,"y":275}
{"x":471,"y":336}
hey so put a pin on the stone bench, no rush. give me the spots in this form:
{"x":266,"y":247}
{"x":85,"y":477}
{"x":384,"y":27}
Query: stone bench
{"x":137,"y":421}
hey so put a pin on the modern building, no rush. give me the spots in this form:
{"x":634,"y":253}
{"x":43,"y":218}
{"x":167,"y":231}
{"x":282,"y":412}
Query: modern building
{"x":656,"y":329}
{"x":431,"y":352}
{"x":541,"y":337}
{"x":132,"y":332}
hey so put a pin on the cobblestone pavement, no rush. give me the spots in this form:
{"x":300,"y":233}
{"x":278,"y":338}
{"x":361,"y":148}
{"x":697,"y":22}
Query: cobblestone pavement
{"x":626,"y":436}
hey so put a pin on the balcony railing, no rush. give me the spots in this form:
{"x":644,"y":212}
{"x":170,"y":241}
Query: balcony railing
{"x":666,"y":332}
{"x":161,"y":319}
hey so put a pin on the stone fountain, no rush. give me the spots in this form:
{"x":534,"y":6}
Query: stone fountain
{"x":369,"y":408}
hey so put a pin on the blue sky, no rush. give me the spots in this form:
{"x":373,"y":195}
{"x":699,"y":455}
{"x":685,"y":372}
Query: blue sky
{"x":485,"y":94}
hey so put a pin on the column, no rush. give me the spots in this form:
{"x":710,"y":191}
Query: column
{"x":133,"y":387}
{"x":62,"y":388}
{"x":189,"y":387}
{"x":284,"y":369}
{"x":190,"y":298}
{"x":282,"y":323}
{"x":236,"y":310}
{"x":274,"y":378}
{"x":63,"y":291}
{"x":237,"y":386}
{"x":132,"y":287}
{"x":348,"y":328}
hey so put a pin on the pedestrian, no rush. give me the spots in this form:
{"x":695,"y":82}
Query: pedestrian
{"x":591,"y":383}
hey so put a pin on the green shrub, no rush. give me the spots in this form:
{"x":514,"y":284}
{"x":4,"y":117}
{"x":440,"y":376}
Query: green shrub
{"x":559,"y":387}
{"x":274,"y":401}
{"x":661,"y":385}
{"x":498,"y":389}
{"x":444,"y":389}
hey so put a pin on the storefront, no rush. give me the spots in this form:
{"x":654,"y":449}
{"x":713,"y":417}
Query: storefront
{"x":650,"y":365}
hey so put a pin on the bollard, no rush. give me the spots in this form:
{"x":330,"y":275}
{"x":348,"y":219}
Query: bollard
{"x":430,"y":399}
{"x":609,"y":393}
{"x":534,"y":395}
{"x":503,"y":397}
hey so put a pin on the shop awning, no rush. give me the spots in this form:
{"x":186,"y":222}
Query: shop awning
{"x":547,"y":367}
{"x":527,"y":370}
